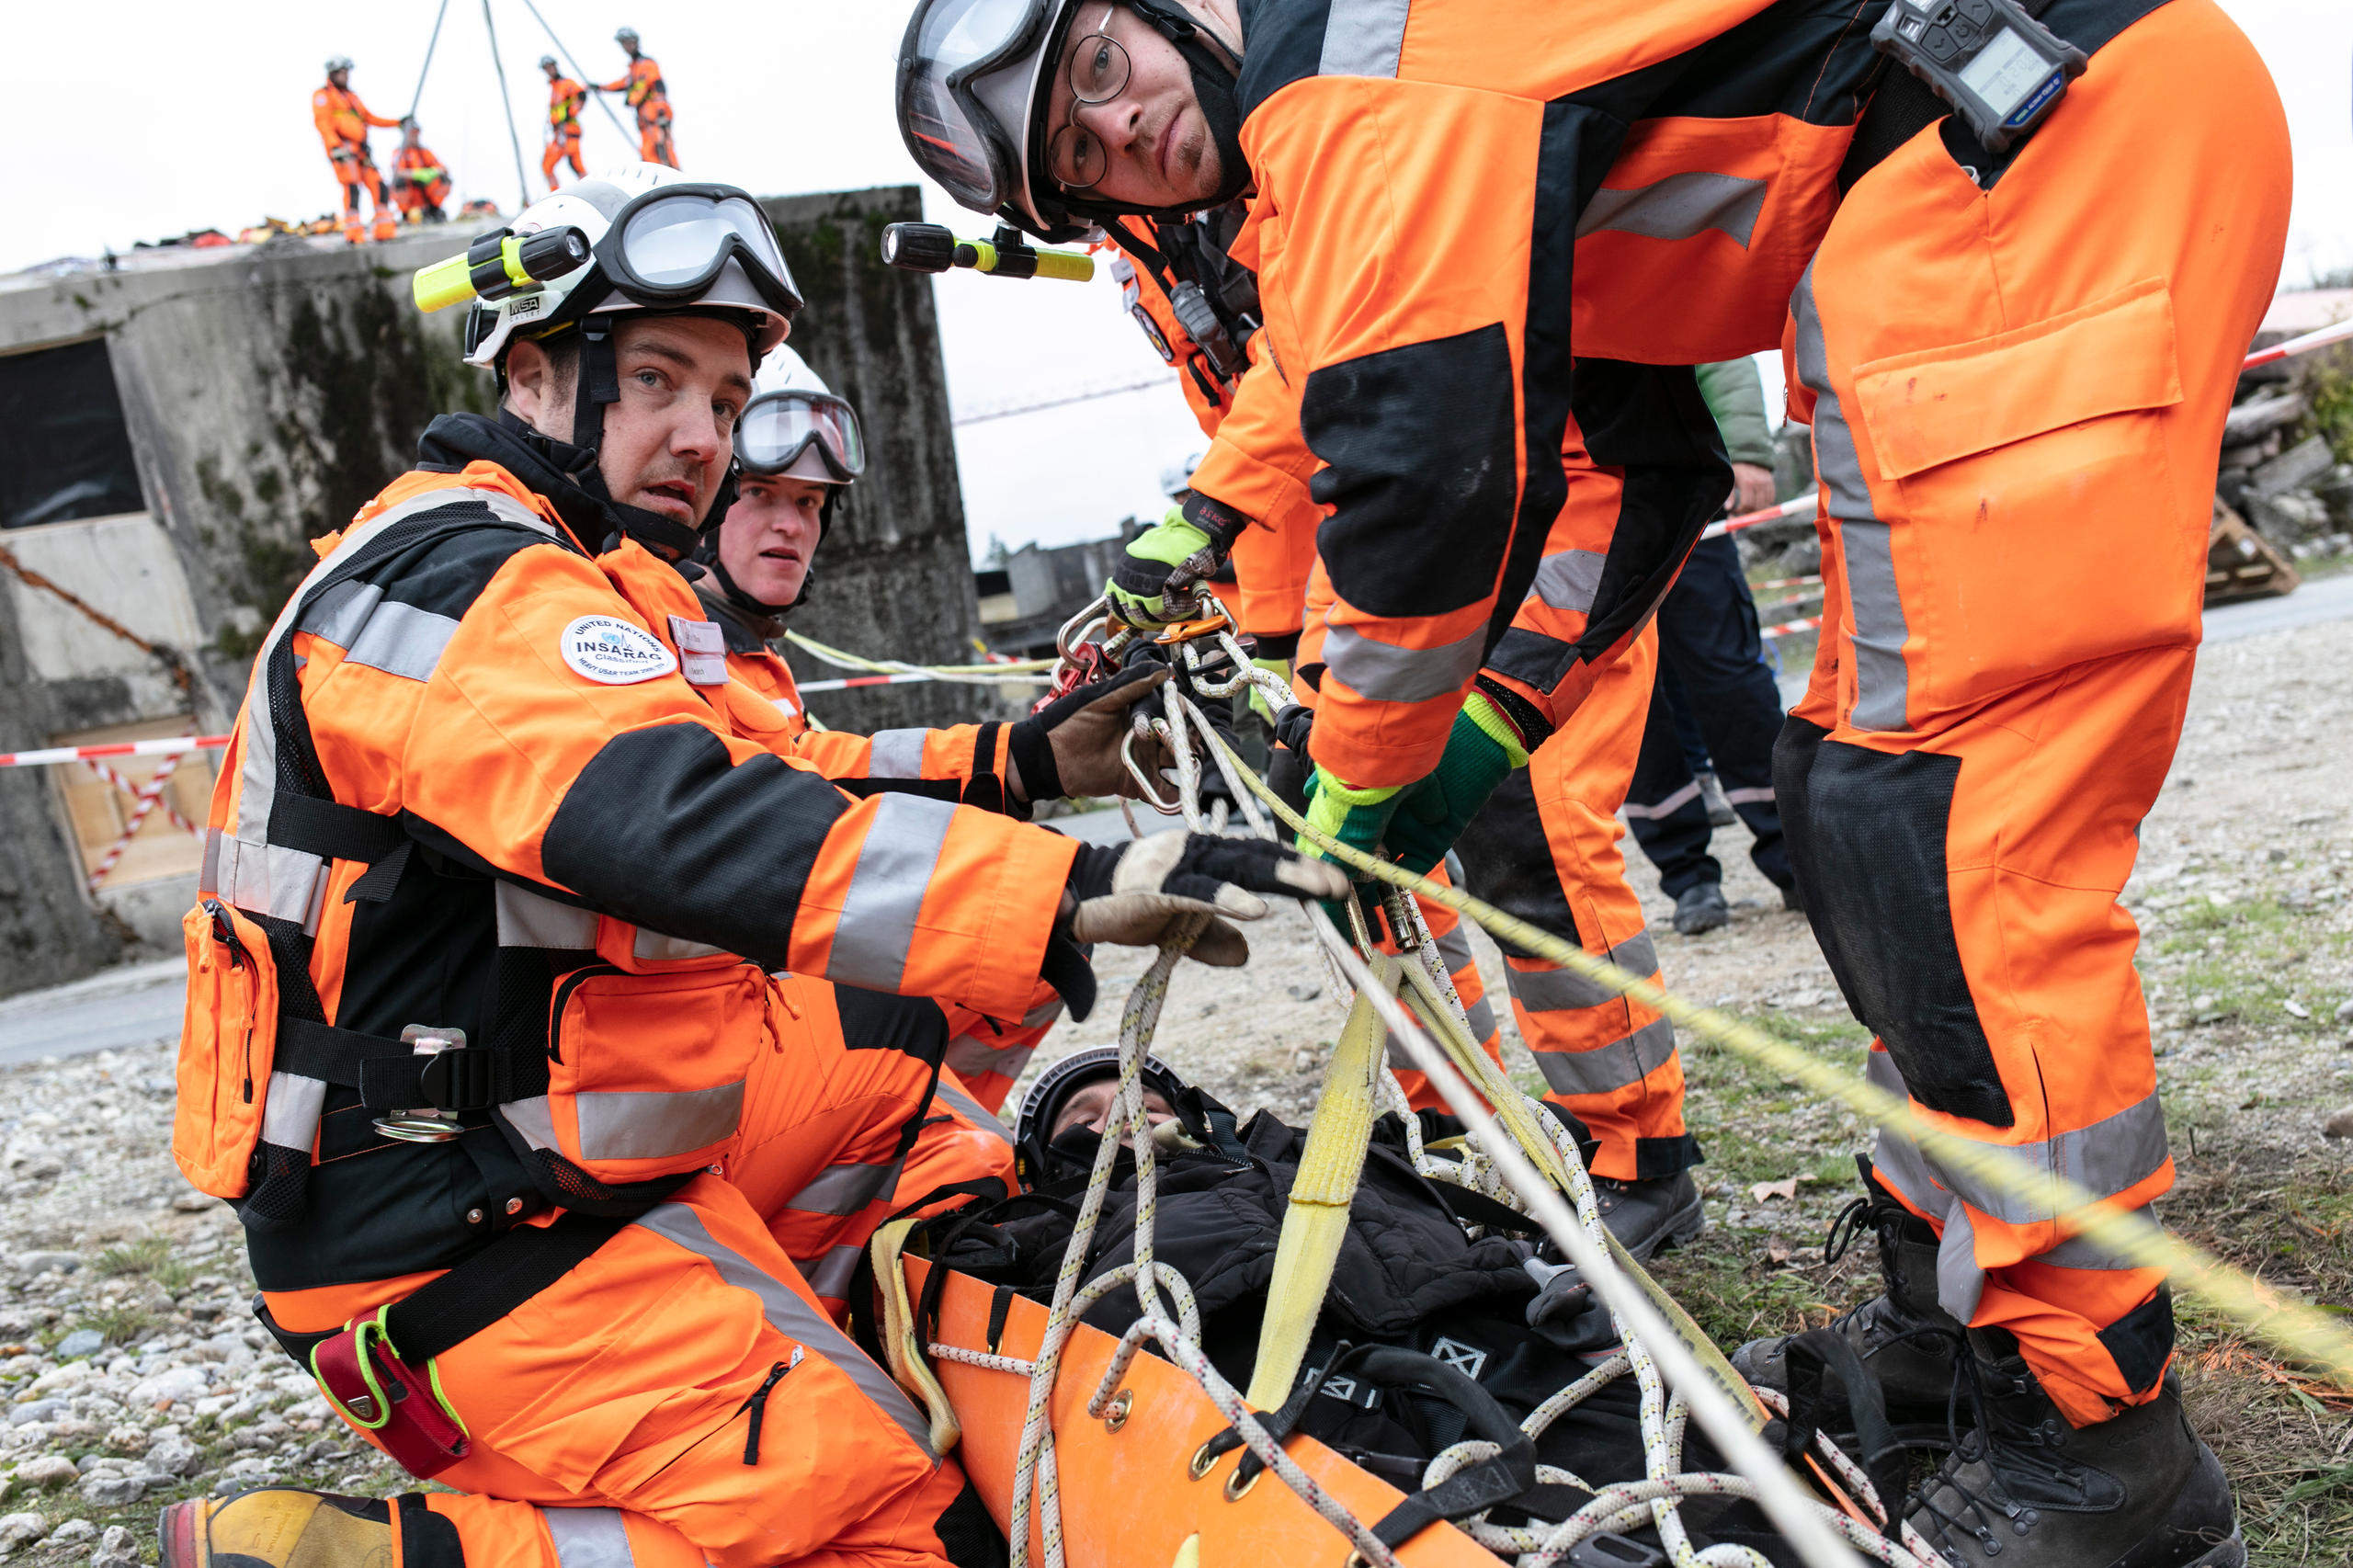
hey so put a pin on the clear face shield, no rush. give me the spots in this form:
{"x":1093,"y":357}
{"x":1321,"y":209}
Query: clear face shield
{"x":814,"y":433}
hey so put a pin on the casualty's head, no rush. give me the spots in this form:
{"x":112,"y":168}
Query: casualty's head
{"x":1062,"y":1115}
{"x":797,"y":448}
{"x":340,"y":69}
{"x":1057,"y":114}
{"x":644,"y":355}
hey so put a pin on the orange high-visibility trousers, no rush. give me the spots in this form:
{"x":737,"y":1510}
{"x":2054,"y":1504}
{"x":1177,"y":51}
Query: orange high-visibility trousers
{"x":2016,"y":428}
{"x":558,"y":149}
{"x":1545,"y":848}
{"x":630,"y":1384}
{"x":1462,"y":967}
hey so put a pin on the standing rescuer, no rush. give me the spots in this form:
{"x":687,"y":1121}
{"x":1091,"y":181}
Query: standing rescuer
{"x":565,"y":97}
{"x":342,"y":121}
{"x":642,"y":89}
{"x":1689,"y":182}
{"x":482,"y":1038}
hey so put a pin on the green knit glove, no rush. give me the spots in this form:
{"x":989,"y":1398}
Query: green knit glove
{"x":1358,"y":818}
{"x":1431,"y":814}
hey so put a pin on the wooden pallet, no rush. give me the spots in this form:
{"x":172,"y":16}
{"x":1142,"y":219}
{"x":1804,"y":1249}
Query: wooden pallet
{"x":2241,"y":564}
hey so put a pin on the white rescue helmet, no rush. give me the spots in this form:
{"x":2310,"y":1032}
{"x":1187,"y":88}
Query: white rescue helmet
{"x":660,"y":242}
{"x":795,"y":427}
{"x":1178,"y":477}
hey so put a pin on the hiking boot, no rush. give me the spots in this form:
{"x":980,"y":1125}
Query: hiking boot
{"x":1646,"y":1216}
{"x":274,"y":1527}
{"x":1712,"y":795}
{"x":1701,"y":908}
{"x":2026,"y":1490}
{"x":1793,"y":900}
{"x":1908,"y":1340}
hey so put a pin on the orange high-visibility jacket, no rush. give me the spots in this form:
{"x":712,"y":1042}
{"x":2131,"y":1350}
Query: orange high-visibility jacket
{"x":565,"y":97}
{"x":1451,"y":201}
{"x":343,"y":120}
{"x":422,"y":169}
{"x":488,"y":781}
{"x":641,"y":85}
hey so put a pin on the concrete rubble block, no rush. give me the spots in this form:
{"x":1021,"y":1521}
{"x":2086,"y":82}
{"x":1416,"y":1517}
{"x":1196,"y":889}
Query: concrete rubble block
{"x":2287,"y":519}
{"x":2258,"y":416}
{"x":2302,"y":464}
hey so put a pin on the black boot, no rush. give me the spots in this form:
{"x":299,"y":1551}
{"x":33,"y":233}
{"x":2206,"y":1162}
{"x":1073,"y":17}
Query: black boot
{"x":1908,"y":1342}
{"x":1647,"y":1217}
{"x":2026,"y":1490}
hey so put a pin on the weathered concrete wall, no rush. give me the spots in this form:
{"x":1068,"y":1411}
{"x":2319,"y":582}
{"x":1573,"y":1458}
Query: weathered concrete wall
{"x":894,"y":579}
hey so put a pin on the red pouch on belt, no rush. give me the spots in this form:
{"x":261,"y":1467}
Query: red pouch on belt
{"x":401,"y":1408}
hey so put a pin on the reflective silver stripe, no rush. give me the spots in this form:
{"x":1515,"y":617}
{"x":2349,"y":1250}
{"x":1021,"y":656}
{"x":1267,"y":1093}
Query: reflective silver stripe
{"x":1045,"y":1012}
{"x":2109,"y":1156}
{"x":897,"y":754}
{"x":829,"y":1274}
{"x":528,"y":920}
{"x":1876,"y":625}
{"x":588,"y":1537}
{"x":653,"y":946}
{"x":785,"y":706}
{"x":1568,"y":579}
{"x":895,"y":867}
{"x":1679,"y":207}
{"x":1894,"y":1157}
{"x":1959,"y":1282}
{"x":792,"y":1317}
{"x":654,"y":1125}
{"x":971,"y":1056}
{"x":403,"y":641}
{"x":1614,"y":1065}
{"x":1757,"y":795}
{"x":1552,"y":990}
{"x":268,"y":879}
{"x":1666,"y":808}
{"x":1363,"y":37}
{"x":533,"y":1119}
{"x":1382,"y":673}
{"x":845,"y":1188}
{"x":289,"y":1110}
{"x":208,"y":879}
{"x":970,"y":1111}
{"x":342,"y":611}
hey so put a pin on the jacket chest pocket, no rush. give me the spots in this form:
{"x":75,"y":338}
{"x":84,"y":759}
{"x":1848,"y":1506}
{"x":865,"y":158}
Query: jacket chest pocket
{"x":646,"y":1072}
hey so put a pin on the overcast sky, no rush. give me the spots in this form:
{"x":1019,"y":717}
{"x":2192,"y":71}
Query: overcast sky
{"x":147,"y":118}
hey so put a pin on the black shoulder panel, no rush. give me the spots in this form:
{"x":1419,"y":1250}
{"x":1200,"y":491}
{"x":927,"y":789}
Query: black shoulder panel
{"x":1282,"y":42}
{"x":446,"y":574}
{"x":664,"y":829}
{"x":1420,"y":442}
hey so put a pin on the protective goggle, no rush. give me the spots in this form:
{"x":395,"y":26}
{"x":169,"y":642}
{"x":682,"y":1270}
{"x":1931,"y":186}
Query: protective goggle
{"x":780,"y":427}
{"x":668,"y":245}
{"x":967,"y":69}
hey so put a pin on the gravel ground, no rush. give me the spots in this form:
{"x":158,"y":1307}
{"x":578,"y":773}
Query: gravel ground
{"x":131,"y":1372}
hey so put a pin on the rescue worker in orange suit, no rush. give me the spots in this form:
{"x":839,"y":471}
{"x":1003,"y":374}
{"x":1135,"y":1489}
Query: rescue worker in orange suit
{"x":420,"y":183}
{"x":800,"y":449}
{"x":484,"y":1042}
{"x":642,"y":88}
{"x":342,"y":121}
{"x":1609,"y":1062}
{"x":565,"y":97}
{"x":1688,"y":182}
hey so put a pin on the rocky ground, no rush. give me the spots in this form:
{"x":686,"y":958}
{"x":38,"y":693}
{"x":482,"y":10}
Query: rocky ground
{"x":130,"y":1372}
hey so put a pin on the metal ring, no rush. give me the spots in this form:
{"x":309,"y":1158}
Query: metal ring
{"x":1114,"y":1414}
{"x":1236,"y":1488}
{"x":1202,"y":1461}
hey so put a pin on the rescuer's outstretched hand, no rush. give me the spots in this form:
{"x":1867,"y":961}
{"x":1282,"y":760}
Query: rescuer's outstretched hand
{"x":1070,"y":746}
{"x":1172,"y":548}
{"x":1137,"y":894}
{"x":1481,"y":752}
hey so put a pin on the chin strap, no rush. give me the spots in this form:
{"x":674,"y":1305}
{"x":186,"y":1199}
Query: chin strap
{"x":599,"y":385}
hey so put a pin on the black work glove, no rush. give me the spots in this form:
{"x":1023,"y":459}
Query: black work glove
{"x":1071,"y":746}
{"x":1565,"y":1311}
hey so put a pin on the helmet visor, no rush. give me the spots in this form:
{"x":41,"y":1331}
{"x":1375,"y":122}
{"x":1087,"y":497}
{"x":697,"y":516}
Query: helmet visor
{"x":670,"y":245}
{"x":956,"y":138}
{"x":779,"y":428}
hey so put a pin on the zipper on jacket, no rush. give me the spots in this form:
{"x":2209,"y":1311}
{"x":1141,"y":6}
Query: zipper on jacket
{"x":224,"y":931}
{"x":563,"y":993}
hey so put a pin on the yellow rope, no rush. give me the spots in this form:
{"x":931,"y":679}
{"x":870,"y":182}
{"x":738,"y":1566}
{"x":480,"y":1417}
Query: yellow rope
{"x":2301,"y":1330}
{"x":887,"y":667}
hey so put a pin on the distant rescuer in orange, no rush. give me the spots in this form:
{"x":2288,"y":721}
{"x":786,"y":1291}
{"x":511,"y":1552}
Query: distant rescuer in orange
{"x":420,"y":183}
{"x":644,"y":91}
{"x":564,"y":98}
{"x":1687,"y":182}
{"x":342,"y":121}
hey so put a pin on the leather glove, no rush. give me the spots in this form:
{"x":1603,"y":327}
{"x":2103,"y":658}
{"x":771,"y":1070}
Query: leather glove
{"x":1133,"y":894}
{"x":1070,"y":746}
{"x":1431,"y":814}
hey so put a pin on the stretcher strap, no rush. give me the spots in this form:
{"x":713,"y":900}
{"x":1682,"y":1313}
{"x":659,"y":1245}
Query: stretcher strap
{"x":389,"y":1077}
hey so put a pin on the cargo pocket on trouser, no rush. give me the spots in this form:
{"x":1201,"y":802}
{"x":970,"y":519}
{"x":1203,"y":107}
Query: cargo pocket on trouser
{"x":1867,"y":834}
{"x":2041,"y":517}
{"x":228,"y":1040}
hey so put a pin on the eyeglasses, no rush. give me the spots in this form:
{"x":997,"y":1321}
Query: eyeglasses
{"x":1099,"y":73}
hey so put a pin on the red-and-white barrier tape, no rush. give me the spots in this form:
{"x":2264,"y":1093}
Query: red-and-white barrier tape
{"x":1813,"y":581}
{"x":134,"y":790}
{"x":174,"y":747}
{"x":1791,"y":628}
{"x":145,"y":799}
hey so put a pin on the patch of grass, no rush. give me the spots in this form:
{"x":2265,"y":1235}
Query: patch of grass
{"x":120,"y":1324}
{"x":173,"y":1275}
{"x":142,"y":1257}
